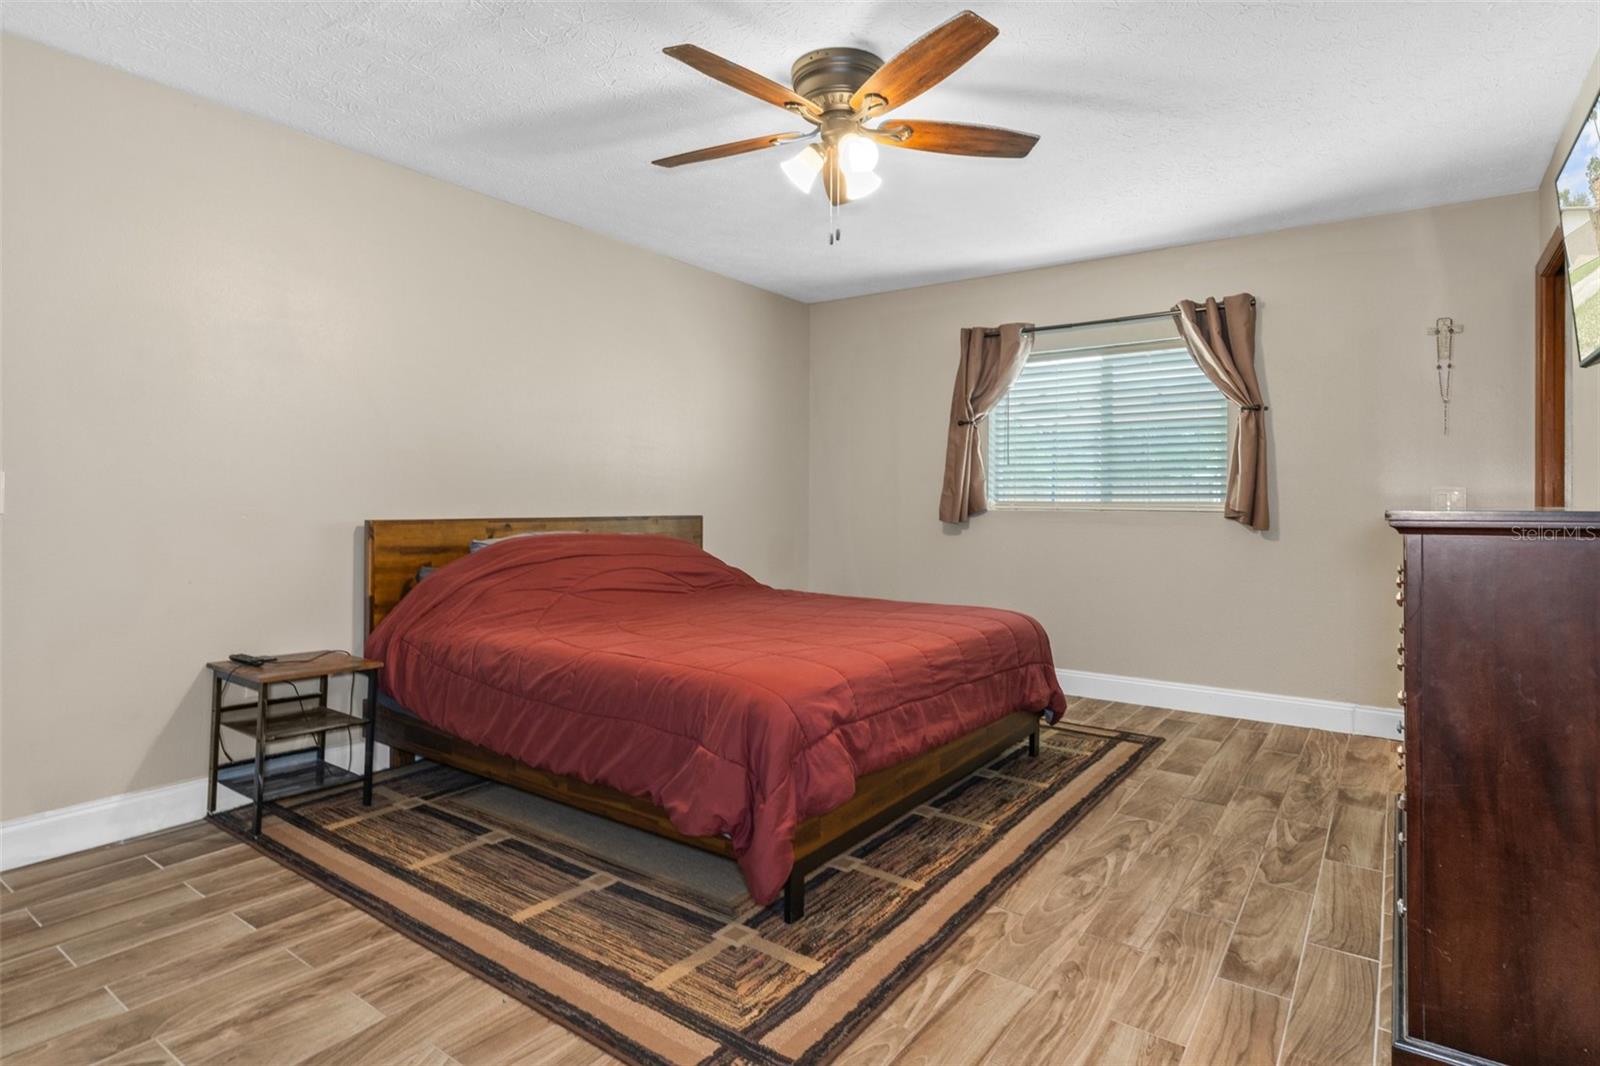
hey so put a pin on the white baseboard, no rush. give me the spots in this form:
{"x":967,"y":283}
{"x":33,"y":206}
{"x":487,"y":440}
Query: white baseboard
{"x":1235,"y":703}
{"x":37,"y":837}
{"x":103,"y":821}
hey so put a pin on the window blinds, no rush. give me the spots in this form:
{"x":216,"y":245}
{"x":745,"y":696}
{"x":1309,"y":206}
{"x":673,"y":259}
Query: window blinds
{"x":1132,"y":423}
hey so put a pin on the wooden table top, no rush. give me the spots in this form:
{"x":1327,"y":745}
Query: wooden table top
{"x":293,"y":666}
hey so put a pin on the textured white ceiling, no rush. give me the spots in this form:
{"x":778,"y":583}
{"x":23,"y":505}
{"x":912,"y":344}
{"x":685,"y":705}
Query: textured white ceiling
{"x":1162,"y":124}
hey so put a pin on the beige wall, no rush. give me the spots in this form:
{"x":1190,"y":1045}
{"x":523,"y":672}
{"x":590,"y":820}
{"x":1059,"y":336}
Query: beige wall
{"x":227,"y":344}
{"x":1349,"y":374}
{"x":1583,"y":394}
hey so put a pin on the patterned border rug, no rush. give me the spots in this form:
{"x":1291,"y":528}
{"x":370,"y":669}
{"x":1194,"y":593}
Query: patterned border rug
{"x":640,"y":970}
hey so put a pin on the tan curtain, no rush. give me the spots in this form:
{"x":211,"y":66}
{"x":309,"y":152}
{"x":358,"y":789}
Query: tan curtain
{"x":1222,"y":339}
{"x":990,"y":362}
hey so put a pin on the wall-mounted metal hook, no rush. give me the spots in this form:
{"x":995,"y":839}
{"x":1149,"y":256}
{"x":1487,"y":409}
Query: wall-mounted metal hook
{"x":1444,"y":329}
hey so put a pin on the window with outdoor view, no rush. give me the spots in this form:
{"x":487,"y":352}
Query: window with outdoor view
{"x":1109,"y":416}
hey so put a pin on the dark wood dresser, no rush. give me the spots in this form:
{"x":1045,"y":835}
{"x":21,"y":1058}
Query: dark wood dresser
{"x":1497,"y":931}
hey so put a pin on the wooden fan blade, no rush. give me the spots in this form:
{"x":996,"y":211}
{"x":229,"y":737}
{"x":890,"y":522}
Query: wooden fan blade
{"x":926,"y":62}
{"x":954,"y":138}
{"x":741,"y":78}
{"x":722,"y":151}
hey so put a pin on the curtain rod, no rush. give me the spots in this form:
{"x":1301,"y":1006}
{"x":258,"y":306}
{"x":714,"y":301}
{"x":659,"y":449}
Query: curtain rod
{"x":1147,"y":316}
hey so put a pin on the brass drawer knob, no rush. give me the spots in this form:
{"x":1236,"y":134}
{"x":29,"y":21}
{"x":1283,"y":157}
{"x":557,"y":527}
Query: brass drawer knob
{"x":1401,"y":697}
{"x":1400,"y":597}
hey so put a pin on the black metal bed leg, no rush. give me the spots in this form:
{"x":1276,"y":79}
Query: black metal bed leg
{"x":794,"y":897}
{"x":1033,"y":742}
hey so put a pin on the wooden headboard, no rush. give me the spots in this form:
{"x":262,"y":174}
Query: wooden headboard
{"x":397,"y":547}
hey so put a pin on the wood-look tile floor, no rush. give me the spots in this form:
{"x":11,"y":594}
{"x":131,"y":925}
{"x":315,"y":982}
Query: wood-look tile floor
{"x":1228,"y":904}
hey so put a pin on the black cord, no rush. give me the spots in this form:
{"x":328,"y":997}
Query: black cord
{"x":349,"y":749}
{"x":308,"y":657}
{"x":226,"y":681}
{"x":349,"y":752}
{"x":223,"y":744}
{"x":300,"y":701}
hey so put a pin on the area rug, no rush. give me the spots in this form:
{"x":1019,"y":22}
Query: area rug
{"x":632,"y":960}
{"x":665,"y":867}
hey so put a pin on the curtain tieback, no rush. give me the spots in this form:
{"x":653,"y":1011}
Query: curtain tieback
{"x":974,"y":420}
{"x":1254,"y":407}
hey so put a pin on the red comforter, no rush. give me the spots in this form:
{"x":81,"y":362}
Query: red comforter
{"x":645,"y":664}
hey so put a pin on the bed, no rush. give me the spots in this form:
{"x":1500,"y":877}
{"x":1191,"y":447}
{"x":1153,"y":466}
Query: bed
{"x":641,"y":679}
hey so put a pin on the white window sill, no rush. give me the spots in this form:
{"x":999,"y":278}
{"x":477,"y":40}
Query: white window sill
{"x":1201,"y":507}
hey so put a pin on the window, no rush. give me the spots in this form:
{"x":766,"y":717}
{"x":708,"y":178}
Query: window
{"x":1110,"y":416}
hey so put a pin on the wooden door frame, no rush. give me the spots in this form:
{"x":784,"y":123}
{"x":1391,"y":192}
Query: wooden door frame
{"x":1550,"y":376}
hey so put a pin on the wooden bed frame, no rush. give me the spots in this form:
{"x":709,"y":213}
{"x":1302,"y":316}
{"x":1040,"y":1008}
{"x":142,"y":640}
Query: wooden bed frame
{"x":396,"y":548}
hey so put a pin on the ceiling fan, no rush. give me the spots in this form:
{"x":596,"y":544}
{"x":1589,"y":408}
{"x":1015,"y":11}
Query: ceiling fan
{"x":839,"y":90}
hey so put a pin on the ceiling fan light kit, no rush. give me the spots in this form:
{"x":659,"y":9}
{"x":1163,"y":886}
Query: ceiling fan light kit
{"x":839,"y":90}
{"x":858,"y":157}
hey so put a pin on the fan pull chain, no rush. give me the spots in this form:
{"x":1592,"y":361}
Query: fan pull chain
{"x":832,"y":207}
{"x":834,"y":233}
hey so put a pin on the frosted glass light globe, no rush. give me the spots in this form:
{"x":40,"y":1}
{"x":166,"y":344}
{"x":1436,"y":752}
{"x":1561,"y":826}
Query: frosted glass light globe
{"x":802,"y":169}
{"x":857,"y":154}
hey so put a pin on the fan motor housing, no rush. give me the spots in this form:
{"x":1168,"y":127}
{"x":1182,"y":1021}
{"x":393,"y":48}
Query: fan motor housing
{"x":828,"y":77}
